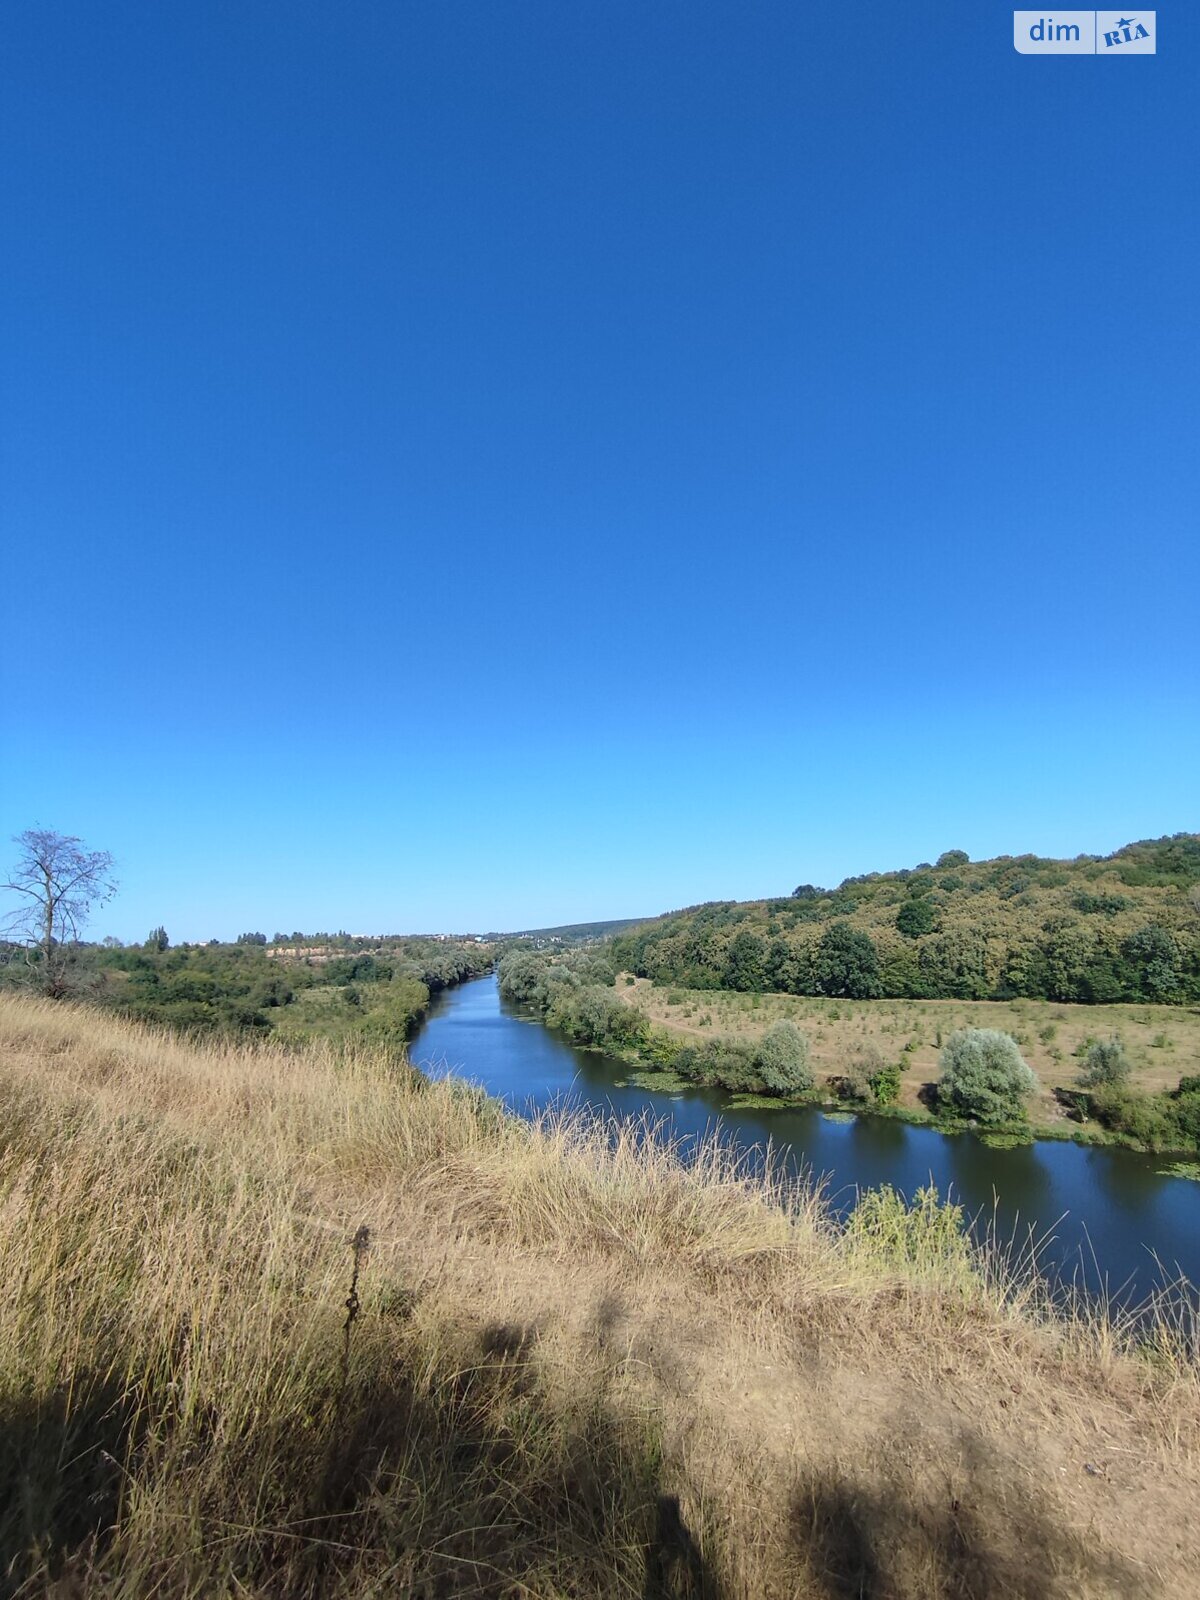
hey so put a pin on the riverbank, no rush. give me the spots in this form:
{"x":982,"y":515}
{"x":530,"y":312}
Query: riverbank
{"x":574,"y":1364}
{"x":1111,"y":1221}
{"x":377,"y":990}
{"x":1163,"y":1044}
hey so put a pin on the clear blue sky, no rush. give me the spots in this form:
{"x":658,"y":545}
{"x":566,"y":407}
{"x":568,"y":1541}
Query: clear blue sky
{"x":475,"y":465}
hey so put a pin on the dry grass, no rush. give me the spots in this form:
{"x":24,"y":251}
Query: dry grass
{"x":1163,"y":1042}
{"x":581,"y":1367}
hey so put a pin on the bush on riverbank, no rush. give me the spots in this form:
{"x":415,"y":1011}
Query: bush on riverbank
{"x":292,"y":989}
{"x":1158,"y":1122}
{"x":985,"y":1077}
{"x":782,"y":1059}
{"x":568,"y":991}
{"x":574,"y":993}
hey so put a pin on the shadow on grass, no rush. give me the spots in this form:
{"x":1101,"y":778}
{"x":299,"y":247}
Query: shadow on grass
{"x":675,"y":1568}
{"x":440,"y":1470}
{"x":866,"y":1542}
{"x":60,"y":1474}
{"x":456,"y":1468}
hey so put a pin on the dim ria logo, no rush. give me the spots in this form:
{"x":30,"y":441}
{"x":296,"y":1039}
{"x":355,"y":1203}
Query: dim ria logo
{"x":1084,"y":33}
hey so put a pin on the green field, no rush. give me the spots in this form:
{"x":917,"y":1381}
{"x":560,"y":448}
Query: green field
{"x":1162,"y":1042}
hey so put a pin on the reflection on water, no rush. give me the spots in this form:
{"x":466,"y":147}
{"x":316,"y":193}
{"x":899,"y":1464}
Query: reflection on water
{"x":1104,"y":1215}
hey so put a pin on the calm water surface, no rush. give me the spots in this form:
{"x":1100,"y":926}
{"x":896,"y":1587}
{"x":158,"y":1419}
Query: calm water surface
{"x":1102,"y":1215}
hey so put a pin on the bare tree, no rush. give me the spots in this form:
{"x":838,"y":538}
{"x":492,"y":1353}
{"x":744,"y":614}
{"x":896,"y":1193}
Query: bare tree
{"x":59,"y":882}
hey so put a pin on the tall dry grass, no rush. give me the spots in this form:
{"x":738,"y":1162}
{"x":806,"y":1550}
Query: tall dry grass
{"x":185,"y":1409}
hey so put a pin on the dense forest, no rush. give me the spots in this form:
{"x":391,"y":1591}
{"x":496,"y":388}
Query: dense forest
{"x":1100,"y":930}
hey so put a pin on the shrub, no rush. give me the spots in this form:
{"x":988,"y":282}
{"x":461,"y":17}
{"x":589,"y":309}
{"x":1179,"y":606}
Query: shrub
{"x":723,"y":1062}
{"x":884,"y":1084}
{"x":782,"y":1059}
{"x":953,"y":858}
{"x":1185,"y":1110}
{"x":1105,"y":1063}
{"x":1096,"y":905}
{"x":984,"y":1076}
{"x":590,"y":1015}
{"x":854,"y":1082}
{"x":1137,"y":1116}
{"x":927,"y":1237}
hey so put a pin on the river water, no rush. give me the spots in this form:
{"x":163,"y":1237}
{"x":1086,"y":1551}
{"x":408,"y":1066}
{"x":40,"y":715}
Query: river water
{"x":1106,"y":1218}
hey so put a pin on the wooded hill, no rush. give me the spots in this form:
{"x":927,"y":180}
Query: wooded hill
{"x":1124,"y":927}
{"x":571,"y":932}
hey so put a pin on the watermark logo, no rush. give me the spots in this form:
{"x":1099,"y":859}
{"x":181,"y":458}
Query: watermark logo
{"x":1128,"y":36}
{"x":1085,"y":33}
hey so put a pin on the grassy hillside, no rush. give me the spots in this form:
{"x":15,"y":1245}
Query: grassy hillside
{"x":1125,"y":928}
{"x":571,"y":1367}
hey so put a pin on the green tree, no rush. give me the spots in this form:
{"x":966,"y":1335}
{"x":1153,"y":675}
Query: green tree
{"x":952,"y":858}
{"x":520,"y":973}
{"x":846,"y":964}
{"x":252,"y":938}
{"x":954,"y":964}
{"x":746,"y":964}
{"x":157,"y":939}
{"x":1066,"y":951}
{"x":916,"y":916}
{"x":782,"y":1059}
{"x":1153,"y":954}
{"x":984,"y":1076}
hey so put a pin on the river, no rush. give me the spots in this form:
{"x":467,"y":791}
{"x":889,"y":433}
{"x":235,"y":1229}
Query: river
{"x":1107,"y":1218}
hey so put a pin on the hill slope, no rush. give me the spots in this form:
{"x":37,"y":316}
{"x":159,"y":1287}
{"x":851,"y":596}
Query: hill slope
{"x":1125,"y":927}
{"x":572,"y":932}
{"x":571,"y":1366}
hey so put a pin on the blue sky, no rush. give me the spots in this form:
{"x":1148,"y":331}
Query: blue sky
{"x":482,"y":465}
